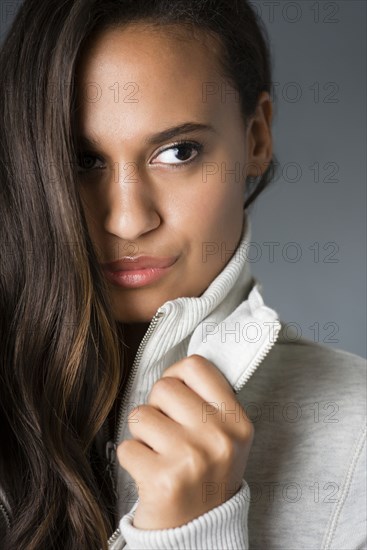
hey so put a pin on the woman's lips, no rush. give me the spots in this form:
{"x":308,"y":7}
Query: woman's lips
{"x":137,"y":272}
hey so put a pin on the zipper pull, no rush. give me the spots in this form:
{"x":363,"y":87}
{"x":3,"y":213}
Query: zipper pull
{"x":111,"y":451}
{"x":111,"y":457}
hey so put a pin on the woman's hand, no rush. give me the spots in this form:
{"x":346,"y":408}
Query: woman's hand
{"x":188,"y":455}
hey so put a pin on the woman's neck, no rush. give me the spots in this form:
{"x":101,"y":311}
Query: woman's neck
{"x":132,"y":336}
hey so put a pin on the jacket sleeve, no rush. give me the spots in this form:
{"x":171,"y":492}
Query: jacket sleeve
{"x":222,"y":527}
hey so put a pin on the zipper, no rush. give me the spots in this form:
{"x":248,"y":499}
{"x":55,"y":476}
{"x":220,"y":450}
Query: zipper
{"x":111,"y":446}
{"x":5,"y":515}
{"x":259,"y":357}
{"x":110,"y":455}
{"x":131,"y":378}
{"x":113,"y":538}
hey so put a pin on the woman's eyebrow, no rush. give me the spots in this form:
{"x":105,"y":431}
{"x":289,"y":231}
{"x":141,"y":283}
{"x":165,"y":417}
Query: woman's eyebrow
{"x":88,"y":142}
{"x":174,"y":131}
{"x":164,"y":135}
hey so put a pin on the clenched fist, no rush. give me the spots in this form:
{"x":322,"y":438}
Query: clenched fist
{"x":189,"y":448}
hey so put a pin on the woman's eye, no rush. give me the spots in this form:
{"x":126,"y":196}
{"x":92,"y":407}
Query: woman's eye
{"x":86,"y":162}
{"x":181,"y":152}
{"x":177,"y":155}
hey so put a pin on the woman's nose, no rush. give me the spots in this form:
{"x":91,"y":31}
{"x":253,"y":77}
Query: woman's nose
{"x":131,"y":210}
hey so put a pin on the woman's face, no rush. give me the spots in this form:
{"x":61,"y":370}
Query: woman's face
{"x":142,"y":195}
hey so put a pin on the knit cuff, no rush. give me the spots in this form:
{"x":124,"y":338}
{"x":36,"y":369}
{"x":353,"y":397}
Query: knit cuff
{"x":222,"y":527}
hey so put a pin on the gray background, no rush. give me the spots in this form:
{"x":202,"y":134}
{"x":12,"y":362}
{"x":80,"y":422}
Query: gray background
{"x":309,"y":227}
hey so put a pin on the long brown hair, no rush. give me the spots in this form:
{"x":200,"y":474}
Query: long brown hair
{"x":61,"y":360}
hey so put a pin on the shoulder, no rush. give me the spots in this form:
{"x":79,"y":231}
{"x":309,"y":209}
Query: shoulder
{"x":329,"y":383}
{"x":315,"y":365}
{"x":307,"y":402}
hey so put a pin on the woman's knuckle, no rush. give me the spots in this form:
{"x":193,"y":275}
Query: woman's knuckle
{"x":124,"y":448}
{"x":162,"y":385}
{"x":196,"y":363}
{"x":225,"y":448}
{"x":246,"y":430}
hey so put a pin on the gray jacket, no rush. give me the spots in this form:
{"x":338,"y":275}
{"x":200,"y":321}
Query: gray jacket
{"x":305,"y":479}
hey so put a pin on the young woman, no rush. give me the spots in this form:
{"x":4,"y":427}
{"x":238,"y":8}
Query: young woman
{"x":149,"y":398}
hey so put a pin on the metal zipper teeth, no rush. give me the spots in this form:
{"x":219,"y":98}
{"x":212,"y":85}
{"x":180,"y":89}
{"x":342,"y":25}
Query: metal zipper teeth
{"x":5,"y":514}
{"x":109,"y":448}
{"x":113,"y":538}
{"x":106,"y":431}
{"x":132,"y":374}
{"x":258,"y":359}
{"x":129,"y":384}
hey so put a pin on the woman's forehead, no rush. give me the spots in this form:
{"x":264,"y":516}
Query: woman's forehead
{"x":138,"y":76}
{"x":138,"y":50}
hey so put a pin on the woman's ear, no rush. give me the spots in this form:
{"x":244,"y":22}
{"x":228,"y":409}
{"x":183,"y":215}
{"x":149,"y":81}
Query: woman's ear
{"x":259,"y":138}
